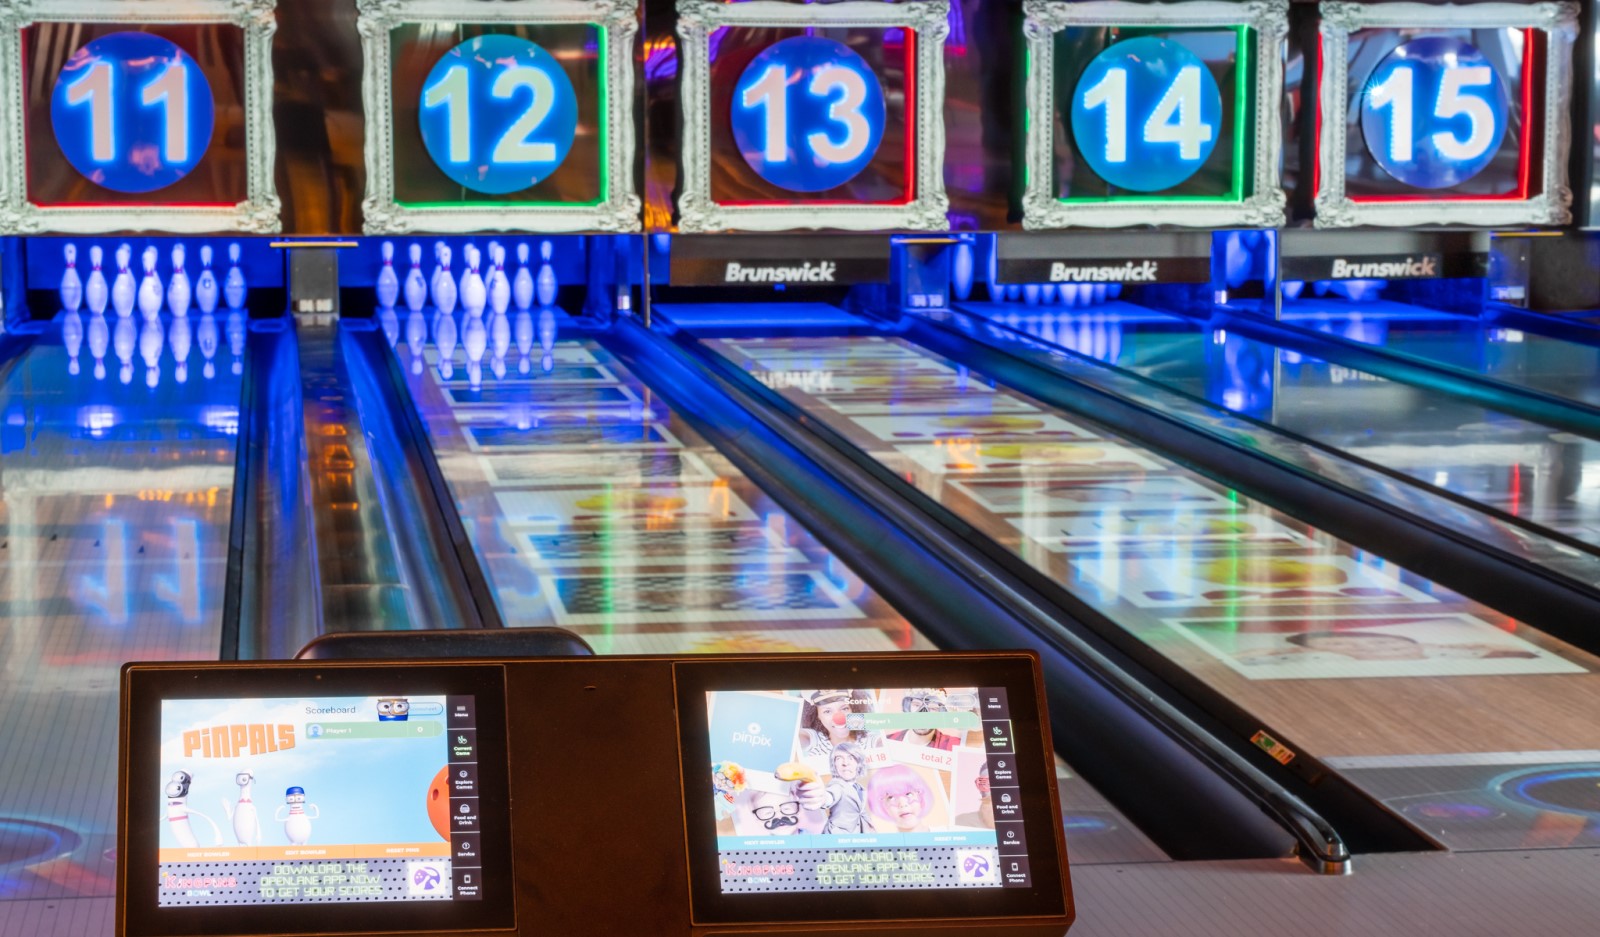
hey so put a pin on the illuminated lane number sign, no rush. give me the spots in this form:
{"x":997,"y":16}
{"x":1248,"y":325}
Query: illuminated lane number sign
{"x":132,"y":112}
{"x":1146,"y":114}
{"x":498,"y":114}
{"x":1434,"y":112}
{"x":808,"y":114}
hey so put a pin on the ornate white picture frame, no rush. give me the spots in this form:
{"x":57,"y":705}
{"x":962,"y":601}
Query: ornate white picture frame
{"x":698,"y":211}
{"x":619,"y":209}
{"x":259,"y":213}
{"x":1264,"y":207}
{"x":1551,"y":206}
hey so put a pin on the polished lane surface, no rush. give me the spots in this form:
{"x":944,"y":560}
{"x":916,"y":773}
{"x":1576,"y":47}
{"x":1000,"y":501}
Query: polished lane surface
{"x":1414,"y":692}
{"x":117,"y":447}
{"x":594,"y":506}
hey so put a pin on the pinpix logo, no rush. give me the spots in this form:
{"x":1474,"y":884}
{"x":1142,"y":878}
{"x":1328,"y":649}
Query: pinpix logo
{"x":822,"y":271}
{"x":1144,"y":271}
{"x":1410,"y":268}
{"x":752,"y":736}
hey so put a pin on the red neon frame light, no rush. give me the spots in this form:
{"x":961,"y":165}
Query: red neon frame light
{"x":1524,"y":187}
{"x":910,"y":188}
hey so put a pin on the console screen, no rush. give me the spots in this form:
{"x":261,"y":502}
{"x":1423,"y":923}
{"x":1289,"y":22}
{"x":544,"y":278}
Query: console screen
{"x":304,"y":800}
{"x":865,"y":789}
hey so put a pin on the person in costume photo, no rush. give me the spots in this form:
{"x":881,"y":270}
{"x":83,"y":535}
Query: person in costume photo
{"x":983,"y":816}
{"x":727,"y":780}
{"x":825,"y":718}
{"x":929,"y":700}
{"x":900,"y":800}
{"x":843,"y":798}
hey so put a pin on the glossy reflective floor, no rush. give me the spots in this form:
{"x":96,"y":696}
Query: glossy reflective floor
{"x":1340,"y":655}
{"x":117,"y":443}
{"x":594,"y":506}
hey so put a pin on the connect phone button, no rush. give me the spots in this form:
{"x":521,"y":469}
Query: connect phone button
{"x":467,"y":884}
{"x":1014,"y":871}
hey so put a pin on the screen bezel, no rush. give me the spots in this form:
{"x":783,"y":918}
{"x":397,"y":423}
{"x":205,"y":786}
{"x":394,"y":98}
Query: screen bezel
{"x":146,"y":687}
{"x":1016,"y":672}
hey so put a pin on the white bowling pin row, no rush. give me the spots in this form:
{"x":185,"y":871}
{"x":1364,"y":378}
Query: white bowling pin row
{"x":490,"y":336}
{"x":477,"y":289}
{"x":1054,"y":294}
{"x":148,"y":293}
{"x":124,"y":338}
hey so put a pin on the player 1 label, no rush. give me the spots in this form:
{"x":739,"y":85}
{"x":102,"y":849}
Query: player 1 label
{"x":1434,"y":112}
{"x":498,"y":114}
{"x":132,"y":112}
{"x":808,"y":114}
{"x":1146,"y":114}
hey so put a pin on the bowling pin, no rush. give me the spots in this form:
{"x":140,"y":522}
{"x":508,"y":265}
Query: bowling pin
{"x":438,"y":271}
{"x":388,"y":282}
{"x":545,"y":285}
{"x":71,"y":285}
{"x":95,"y":292}
{"x":246,"y":822}
{"x":234,"y":289}
{"x":962,"y":265}
{"x":474,"y":341}
{"x":72,"y":338}
{"x":99,"y":341}
{"x":390,"y":322}
{"x":236,"y":336}
{"x":499,"y":286}
{"x":150,"y":292}
{"x":123,"y":341}
{"x":178,"y":289}
{"x":416,"y":338}
{"x":180,"y":337}
{"x":522,"y":287}
{"x":206,"y":292}
{"x":499,"y":343}
{"x":150,"y":343}
{"x":547,"y":339}
{"x":416,"y":286}
{"x":124,"y":290}
{"x":1030,"y":294}
{"x":474,"y":295}
{"x":523,"y":332}
{"x":444,"y":288}
{"x":296,"y":816}
{"x":445,"y":337}
{"x":206,"y":337}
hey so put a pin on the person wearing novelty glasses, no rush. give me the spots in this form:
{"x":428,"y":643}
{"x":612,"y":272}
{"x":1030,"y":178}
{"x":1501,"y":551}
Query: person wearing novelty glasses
{"x":930,"y":700}
{"x":827,"y":715}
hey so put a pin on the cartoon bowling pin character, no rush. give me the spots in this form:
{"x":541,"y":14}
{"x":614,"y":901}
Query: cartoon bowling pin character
{"x":393,"y":709}
{"x":294,"y":817}
{"x":246,"y":822}
{"x":178,"y":812}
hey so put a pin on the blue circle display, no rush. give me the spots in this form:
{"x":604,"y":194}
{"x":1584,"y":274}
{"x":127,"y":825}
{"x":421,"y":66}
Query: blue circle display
{"x":808,"y":114}
{"x":1434,"y":112}
{"x":498,"y":114}
{"x":132,"y":112}
{"x":1146,"y":114}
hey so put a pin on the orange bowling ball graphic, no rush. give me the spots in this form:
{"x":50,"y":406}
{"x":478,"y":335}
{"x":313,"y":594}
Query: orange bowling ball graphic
{"x":1275,"y":571}
{"x":439,"y":803}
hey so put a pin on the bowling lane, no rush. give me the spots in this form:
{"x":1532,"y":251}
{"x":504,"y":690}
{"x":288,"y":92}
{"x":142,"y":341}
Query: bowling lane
{"x":1539,"y":474}
{"x":593,"y":506}
{"x":1337,"y":656}
{"x":117,"y":449}
{"x":1527,"y":359}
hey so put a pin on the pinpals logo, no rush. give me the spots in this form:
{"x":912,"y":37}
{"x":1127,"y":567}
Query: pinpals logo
{"x":752,"y":736}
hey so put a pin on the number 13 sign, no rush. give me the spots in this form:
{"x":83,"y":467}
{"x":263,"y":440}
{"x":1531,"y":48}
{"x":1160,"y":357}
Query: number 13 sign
{"x":809,"y":114}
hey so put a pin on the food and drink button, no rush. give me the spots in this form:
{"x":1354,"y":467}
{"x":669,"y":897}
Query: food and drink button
{"x":1010,"y":837}
{"x":1007,"y":803}
{"x":464,"y":815}
{"x":997,"y":737}
{"x":463,"y":745}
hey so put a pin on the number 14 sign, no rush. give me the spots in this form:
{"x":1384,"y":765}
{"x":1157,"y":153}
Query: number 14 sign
{"x":1170,"y":113}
